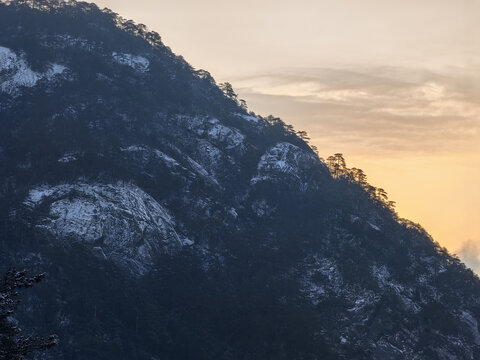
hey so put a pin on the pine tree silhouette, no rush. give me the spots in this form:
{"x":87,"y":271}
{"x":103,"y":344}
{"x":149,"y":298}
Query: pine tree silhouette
{"x":13,"y":345}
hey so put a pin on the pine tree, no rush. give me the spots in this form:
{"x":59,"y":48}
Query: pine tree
{"x":228,"y":91}
{"x":13,"y":345}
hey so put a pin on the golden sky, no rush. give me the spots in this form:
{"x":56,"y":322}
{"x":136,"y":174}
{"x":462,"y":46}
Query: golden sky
{"x":394,"y":85}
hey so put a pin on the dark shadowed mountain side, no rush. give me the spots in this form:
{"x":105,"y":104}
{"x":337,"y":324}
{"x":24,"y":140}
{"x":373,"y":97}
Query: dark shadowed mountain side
{"x":174,"y":225}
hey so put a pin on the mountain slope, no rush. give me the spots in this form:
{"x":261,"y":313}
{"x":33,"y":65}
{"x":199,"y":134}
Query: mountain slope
{"x":174,"y":225}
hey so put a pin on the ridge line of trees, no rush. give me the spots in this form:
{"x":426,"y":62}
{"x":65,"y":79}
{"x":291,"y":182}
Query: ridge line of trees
{"x":338,"y":168}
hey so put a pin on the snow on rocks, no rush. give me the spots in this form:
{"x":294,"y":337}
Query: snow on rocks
{"x":262,"y":209}
{"x":69,"y":157}
{"x":233,"y":213}
{"x":385,"y":281}
{"x":211,"y":154}
{"x":211,"y":157}
{"x":64,"y":41}
{"x":319,"y":276}
{"x":145,"y":154}
{"x":232,"y":138}
{"x":472,"y":323}
{"x":126,"y":223}
{"x":249,"y":118}
{"x":200,"y":170}
{"x":383,"y":277}
{"x":214,"y":131}
{"x":54,"y":69}
{"x":285,"y":159}
{"x":137,"y":63}
{"x":15,"y":72}
{"x":374,"y":227}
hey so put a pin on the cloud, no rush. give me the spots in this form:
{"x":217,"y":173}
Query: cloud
{"x":470,"y":255}
{"x":378,"y":109}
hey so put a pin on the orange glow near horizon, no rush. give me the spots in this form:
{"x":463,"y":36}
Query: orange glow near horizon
{"x":439,"y":192}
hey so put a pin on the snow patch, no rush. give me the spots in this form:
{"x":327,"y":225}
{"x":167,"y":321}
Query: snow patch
{"x":69,"y":157}
{"x":261,"y":208}
{"x":65,"y":40}
{"x":187,"y":242}
{"x":384,"y":280}
{"x":55,"y":69}
{"x":136,"y":62}
{"x":36,"y":196}
{"x":15,"y":72}
{"x":147,"y":153}
{"x":320,"y":276}
{"x":472,"y":323}
{"x":211,"y":154}
{"x":232,"y":137}
{"x":199,"y":169}
{"x":249,"y":118}
{"x":374,"y":227}
{"x":233,"y":213}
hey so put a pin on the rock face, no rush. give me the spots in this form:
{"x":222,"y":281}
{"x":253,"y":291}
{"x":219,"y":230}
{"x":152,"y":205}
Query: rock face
{"x":120,"y":221}
{"x":15,"y":72}
{"x":287,"y":162}
{"x":174,"y":225}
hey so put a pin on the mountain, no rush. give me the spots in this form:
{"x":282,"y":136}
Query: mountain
{"x":175,"y":225}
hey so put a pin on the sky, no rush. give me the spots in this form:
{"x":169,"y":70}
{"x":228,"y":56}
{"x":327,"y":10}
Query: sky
{"x":393,"y":85}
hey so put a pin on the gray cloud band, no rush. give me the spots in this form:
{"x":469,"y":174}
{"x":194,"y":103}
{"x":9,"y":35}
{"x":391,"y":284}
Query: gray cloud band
{"x":388,"y":109}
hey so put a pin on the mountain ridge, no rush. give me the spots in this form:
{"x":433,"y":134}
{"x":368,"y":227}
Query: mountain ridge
{"x":174,"y":225}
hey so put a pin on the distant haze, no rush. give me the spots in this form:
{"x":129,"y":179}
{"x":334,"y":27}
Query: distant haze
{"x":394,"y":85}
